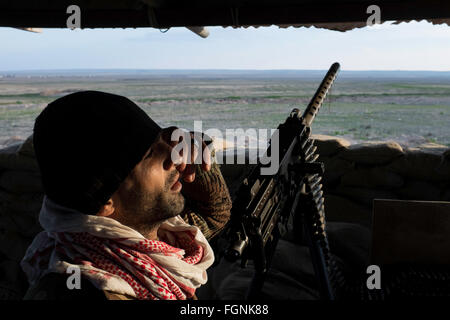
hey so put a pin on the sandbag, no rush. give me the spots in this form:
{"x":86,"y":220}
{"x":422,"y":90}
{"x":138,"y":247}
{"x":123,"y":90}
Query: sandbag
{"x":422,"y":165}
{"x":435,"y":148}
{"x":351,"y":242}
{"x":446,"y":155}
{"x":372,"y":178}
{"x":21,"y":202}
{"x":12,"y":281}
{"x":27,"y":148}
{"x":419,"y":190}
{"x":12,"y":160}
{"x":20,"y":222}
{"x":13,"y":245}
{"x":341,"y":209}
{"x":329,"y":145}
{"x":364,"y":195}
{"x":11,"y":149}
{"x":373,"y":153}
{"x":14,"y":140}
{"x":21,"y":182}
{"x":334,"y":168}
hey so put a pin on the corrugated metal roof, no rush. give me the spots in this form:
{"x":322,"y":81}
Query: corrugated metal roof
{"x":337,"y":15}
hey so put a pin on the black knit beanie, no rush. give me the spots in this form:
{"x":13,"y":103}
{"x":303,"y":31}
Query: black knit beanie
{"x":86,"y":143}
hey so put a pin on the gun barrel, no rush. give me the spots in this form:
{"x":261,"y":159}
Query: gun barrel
{"x":319,"y":96}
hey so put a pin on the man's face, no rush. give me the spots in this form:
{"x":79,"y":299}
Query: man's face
{"x":151,"y":192}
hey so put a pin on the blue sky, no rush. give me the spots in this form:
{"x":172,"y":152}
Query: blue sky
{"x":412,"y":46}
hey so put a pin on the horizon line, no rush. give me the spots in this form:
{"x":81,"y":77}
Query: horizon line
{"x":208,"y":69}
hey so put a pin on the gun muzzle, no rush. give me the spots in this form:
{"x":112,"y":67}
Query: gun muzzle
{"x":319,"y":96}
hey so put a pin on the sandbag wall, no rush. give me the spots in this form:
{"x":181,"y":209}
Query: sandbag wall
{"x":20,"y":201}
{"x":355,"y":174}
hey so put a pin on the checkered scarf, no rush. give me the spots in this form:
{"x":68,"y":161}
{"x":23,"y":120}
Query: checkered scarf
{"x":117,"y":258}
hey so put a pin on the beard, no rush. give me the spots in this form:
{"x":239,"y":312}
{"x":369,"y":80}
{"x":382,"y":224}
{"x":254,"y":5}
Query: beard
{"x":145,"y":211}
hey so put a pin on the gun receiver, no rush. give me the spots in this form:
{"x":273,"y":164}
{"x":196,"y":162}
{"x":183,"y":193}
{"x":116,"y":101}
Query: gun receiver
{"x":267,"y":205}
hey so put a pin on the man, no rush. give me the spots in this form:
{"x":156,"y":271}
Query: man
{"x":124,"y":210}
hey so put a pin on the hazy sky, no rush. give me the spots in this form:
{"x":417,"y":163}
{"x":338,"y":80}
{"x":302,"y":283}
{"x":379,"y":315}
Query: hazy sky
{"x":412,"y":46}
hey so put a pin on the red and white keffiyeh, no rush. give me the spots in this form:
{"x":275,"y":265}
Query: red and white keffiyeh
{"x":117,"y":258}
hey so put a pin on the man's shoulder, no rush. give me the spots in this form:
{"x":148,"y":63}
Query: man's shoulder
{"x":53,"y":286}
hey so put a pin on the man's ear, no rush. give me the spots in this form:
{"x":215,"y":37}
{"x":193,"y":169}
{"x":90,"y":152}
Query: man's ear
{"x":107,"y":209}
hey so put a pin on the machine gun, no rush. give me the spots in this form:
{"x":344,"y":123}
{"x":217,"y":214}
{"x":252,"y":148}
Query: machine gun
{"x":267,"y":204}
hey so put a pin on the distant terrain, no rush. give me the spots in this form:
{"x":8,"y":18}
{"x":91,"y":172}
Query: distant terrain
{"x":409,"y":107}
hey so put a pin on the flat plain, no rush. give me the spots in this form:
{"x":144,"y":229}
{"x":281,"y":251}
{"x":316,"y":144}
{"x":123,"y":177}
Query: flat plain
{"x":362,"y":107}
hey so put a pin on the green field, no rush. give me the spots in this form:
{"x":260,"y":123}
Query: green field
{"x":411,"y":111}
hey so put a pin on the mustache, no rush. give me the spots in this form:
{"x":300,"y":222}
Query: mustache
{"x":173,"y":177}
